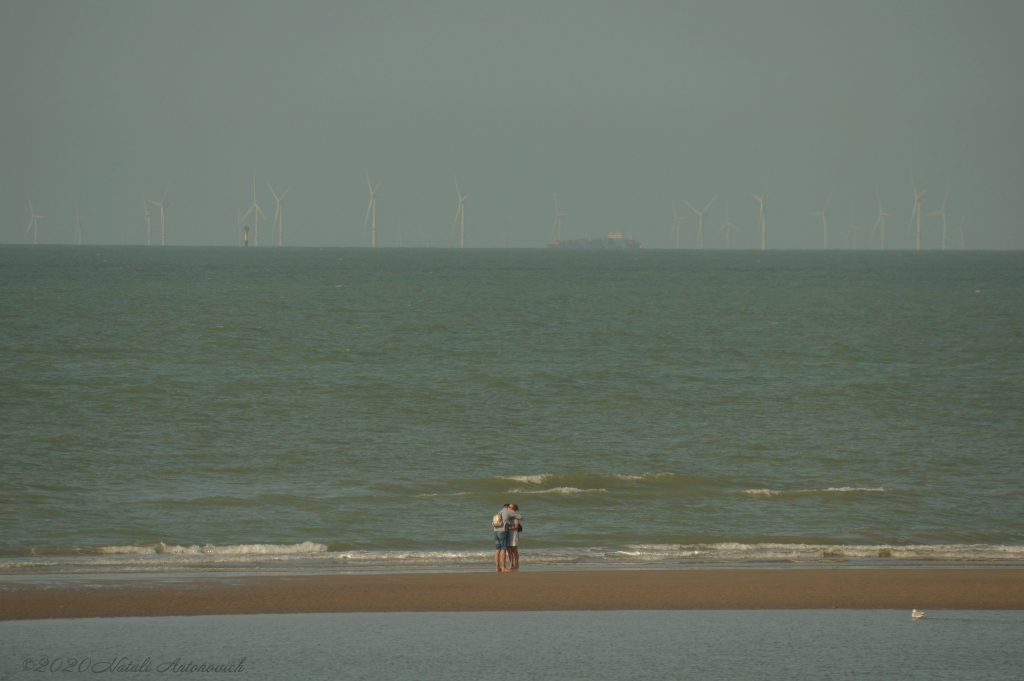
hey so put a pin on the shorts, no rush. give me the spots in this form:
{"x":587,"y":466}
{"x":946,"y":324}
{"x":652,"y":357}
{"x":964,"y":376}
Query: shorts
{"x":500,"y":540}
{"x":513,"y":538}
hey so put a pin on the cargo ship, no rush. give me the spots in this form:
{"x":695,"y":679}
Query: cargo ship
{"x":615,"y":240}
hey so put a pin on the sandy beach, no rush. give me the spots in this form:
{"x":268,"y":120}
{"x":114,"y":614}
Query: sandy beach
{"x":939,"y":589}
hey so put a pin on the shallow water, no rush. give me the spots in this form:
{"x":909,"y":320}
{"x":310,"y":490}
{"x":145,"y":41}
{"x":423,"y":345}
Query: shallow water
{"x":711,"y":645}
{"x":349,"y":409}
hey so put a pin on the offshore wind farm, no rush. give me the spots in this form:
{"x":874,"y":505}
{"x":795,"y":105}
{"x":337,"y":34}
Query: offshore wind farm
{"x":934,"y":238}
{"x":618,"y":119}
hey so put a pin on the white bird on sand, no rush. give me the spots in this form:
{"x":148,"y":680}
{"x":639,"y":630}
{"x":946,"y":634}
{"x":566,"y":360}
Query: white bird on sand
{"x":915,"y":615}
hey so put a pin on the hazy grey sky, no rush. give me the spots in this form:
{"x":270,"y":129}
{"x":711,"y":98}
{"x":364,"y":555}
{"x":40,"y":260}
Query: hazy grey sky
{"x":618,"y":107}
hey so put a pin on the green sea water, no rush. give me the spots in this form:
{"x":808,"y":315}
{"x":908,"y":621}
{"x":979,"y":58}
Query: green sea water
{"x":352,"y":409}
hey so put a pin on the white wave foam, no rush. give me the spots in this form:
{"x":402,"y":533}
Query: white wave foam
{"x":775,"y":493}
{"x":453,"y":494}
{"x":654,"y":555}
{"x":529,"y":479}
{"x":556,"y":490}
{"x":854,"y":489}
{"x":314,"y":556}
{"x":127,"y":550}
{"x":539,"y":479}
{"x":412,"y":556}
{"x":210,"y":549}
{"x":735,"y":551}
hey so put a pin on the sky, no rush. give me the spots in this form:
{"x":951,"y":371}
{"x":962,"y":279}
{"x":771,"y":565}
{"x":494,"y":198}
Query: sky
{"x":617,"y":108}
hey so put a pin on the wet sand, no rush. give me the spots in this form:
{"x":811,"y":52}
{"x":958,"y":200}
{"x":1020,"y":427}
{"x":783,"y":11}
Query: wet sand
{"x":900,"y":588}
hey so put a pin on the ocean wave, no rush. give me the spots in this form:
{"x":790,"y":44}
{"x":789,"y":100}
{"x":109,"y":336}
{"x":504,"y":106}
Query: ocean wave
{"x":776,"y":493}
{"x":598,"y":477}
{"x":412,"y":556}
{"x":314,"y":556}
{"x":855,"y":489}
{"x":210,"y":549}
{"x":645,"y":476}
{"x":736,"y":551}
{"x":556,"y":490}
{"x":452,"y":494}
{"x":529,"y":479}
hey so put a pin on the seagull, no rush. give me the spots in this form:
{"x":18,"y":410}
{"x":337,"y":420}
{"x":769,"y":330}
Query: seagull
{"x":915,"y":615}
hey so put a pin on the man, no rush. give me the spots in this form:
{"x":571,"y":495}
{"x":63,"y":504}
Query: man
{"x":501,"y":535}
{"x":512,"y":553}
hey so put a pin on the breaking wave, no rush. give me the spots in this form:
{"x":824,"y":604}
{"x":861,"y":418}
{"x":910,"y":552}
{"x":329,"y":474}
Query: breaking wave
{"x":577,"y":479}
{"x":556,"y":490}
{"x":211,"y":550}
{"x":778,"y":493}
{"x":530,"y":479}
{"x":453,"y":494}
{"x":317,"y":557}
{"x":770,"y":552}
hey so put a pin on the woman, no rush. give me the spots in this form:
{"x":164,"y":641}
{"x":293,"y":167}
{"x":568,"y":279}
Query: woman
{"x":513,"y":539}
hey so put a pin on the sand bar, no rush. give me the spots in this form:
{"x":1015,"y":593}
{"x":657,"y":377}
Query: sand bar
{"x":937,"y":589}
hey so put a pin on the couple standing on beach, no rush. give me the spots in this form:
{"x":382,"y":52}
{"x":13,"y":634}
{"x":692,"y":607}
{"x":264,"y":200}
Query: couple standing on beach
{"x":506,"y":538}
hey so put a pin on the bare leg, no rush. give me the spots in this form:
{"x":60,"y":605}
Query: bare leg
{"x":514,"y":556}
{"x":499,"y":556}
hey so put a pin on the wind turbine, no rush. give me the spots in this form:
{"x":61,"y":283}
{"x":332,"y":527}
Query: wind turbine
{"x":33,"y":223}
{"x":243,"y":227}
{"x":882,"y":215}
{"x":160,"y":205}
{"x":255,"y":211}
{"x":279,"y":216}
{"x":460,"y":214}
{"x":557,"y":229}
{"x":78,"y":227}
{"x":942,"y":212}
{"x":425,"y":235}
{"x":371,"y":210}
{"x":960,"y":230}
{"x":146,"y":220}
{"x":700,"y":222}
{"x":761,"y":216}
{"x":676,"y":219}
{"x":727,"y":226}
{"x":824,"y":219}
{"x":917,"y":210}
{"x":854,"y":230}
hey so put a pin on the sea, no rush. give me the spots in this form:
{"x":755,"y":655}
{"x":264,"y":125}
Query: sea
{"x":334,"y":410}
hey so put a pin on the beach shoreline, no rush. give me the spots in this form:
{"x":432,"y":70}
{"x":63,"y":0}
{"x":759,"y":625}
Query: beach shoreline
{"x":987,"y":588}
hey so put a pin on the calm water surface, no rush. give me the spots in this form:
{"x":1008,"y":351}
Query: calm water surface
{"x":706,"y":645}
